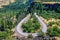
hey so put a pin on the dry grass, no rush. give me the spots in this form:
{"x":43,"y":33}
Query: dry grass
{"x":51,"y":2}
{"x":51,"y":20}
{"x":3,"y":2}
{"x":46,"y":2}
{"x":57,"y":38}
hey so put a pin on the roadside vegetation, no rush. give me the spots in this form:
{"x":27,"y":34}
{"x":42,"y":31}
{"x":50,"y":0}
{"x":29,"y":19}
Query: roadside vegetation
{"x":10,"y":16}
{"x":8,"y":20}
{"x":32,"y":25}
{"x":50,"y":16}
{"x":54,"y":31}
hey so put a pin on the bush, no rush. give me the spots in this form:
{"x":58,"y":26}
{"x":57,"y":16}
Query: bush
{"x":40,"y":34}
{"x":32,"y":25}
{"x":30,"y":36}
{"x":54,"y":31}
{"x":58,"y":9}
{"x":51,"y":23}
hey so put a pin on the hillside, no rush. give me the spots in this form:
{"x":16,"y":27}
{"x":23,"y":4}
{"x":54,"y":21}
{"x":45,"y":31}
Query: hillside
{"x":14,"y":13}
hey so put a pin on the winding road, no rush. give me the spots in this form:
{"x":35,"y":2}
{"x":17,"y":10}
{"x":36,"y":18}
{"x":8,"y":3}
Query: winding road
{"x":44,"y":29}
{"x":18,"y":29}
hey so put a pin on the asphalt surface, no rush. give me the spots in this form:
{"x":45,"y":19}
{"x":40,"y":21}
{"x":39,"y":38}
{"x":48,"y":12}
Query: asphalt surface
{"x":19,"y":31}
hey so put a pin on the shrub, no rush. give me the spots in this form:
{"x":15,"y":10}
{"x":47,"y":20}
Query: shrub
{"x":58,"y":9}
{"x":30,"y":36}
{"x":54,"y":31}
{"x":32,"y":25}
{"x":40,"y":34}
{"x":51,"y":23}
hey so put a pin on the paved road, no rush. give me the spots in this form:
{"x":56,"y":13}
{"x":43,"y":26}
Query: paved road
{"x":19,"y":31}
{"x":44,"y":29}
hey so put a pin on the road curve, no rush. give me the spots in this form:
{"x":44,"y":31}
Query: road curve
{"x":44,"y":29}
{"x":18,"y":29}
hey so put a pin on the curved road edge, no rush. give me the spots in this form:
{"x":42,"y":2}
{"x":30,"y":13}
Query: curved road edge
{"x":44,"y":29}
{"x":20,"y":33}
